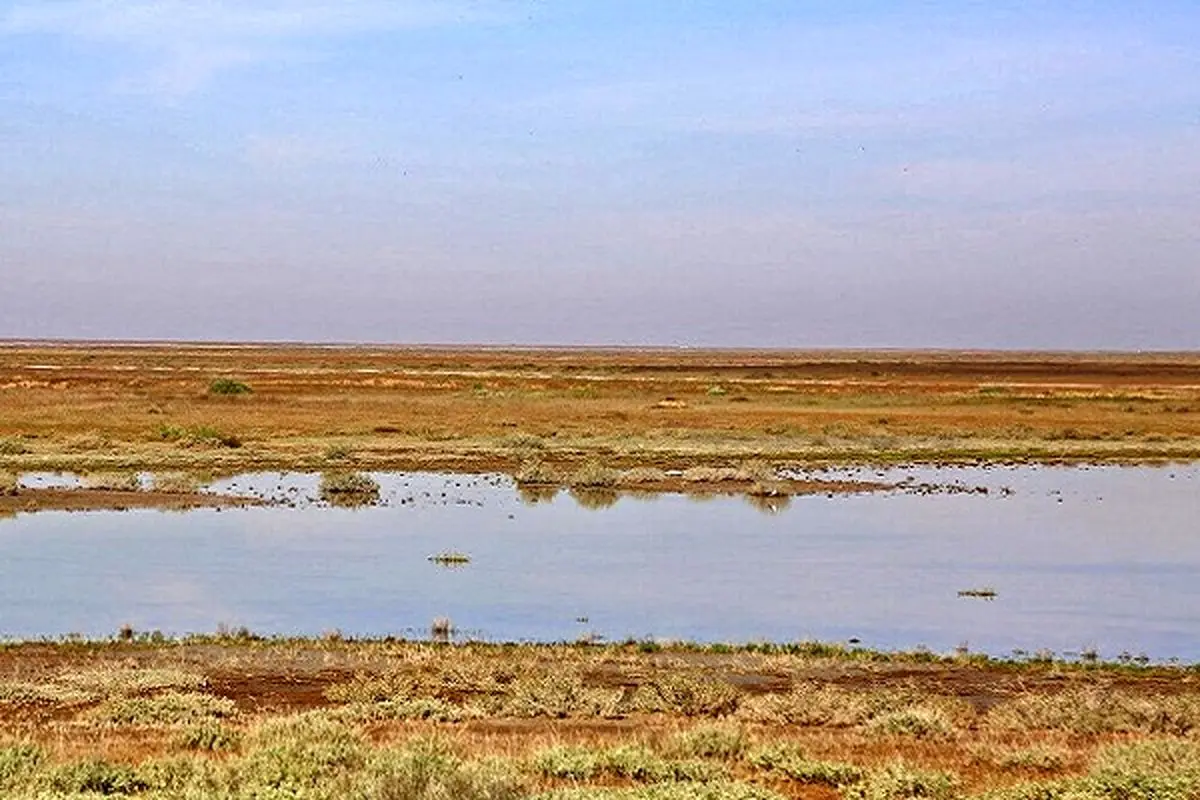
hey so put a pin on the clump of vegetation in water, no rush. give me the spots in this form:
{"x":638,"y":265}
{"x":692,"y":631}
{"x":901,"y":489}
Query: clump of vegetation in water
{"x":228,"y":387}
{"x":349,"y":489}
{"x":983,"y":593}
{"x":113,"y":481}
{"x":450,"y":558}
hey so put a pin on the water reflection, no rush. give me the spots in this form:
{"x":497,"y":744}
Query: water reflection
{"x":532,"y":494}
{"x":769,"y":503}
{"x":595,"y":499}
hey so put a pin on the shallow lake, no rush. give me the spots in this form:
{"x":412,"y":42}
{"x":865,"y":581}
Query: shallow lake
{"x":1100,"y":558}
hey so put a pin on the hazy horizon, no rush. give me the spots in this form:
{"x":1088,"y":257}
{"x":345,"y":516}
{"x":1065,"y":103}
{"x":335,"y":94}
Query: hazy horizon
{"x":1023,"y":175}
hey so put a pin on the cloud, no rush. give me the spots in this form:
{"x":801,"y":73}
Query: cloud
{"x":191,"y":41}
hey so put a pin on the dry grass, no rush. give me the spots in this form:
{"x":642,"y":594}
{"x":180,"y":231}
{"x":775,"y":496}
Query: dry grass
{"x":122,"y":408}
{"x":249,"y":718}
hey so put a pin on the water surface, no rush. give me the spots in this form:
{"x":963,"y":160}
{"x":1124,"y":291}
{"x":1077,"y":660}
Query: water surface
{"x":1104,"y":558}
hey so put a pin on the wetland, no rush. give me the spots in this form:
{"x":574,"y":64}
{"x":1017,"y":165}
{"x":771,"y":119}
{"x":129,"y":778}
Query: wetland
{"x":503,"y":573}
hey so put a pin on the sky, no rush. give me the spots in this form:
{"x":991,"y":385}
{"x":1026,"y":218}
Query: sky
{"x":702,"y":173}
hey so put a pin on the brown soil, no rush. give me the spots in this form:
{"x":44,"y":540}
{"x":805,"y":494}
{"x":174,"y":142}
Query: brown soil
{"x":29,"y":500}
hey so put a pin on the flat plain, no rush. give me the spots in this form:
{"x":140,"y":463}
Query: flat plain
{"x":229,"y":407}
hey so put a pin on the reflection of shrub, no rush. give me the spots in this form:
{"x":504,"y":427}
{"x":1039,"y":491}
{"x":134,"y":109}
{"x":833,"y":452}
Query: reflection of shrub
{"x":349,"y":489}
{"x":228,"y":387}
{"x":594,"y":499}
{"x":532,"y":494}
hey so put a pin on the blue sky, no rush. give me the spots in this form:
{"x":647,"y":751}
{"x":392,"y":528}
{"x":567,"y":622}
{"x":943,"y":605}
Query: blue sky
{"x":928,"y":174}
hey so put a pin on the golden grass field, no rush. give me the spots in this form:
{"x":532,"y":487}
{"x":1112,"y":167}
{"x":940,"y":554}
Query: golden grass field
{"x":121,"y":406}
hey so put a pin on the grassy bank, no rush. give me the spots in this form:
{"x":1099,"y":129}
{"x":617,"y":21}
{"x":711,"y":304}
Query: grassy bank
{"x":236,"y":716}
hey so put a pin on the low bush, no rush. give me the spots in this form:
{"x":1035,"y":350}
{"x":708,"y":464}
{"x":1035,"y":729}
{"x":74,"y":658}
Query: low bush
{"x":228,"y":387}
{"x":349,"y":489}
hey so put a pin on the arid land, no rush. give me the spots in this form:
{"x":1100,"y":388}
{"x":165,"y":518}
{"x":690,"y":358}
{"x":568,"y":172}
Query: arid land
{"x":122,"y":406}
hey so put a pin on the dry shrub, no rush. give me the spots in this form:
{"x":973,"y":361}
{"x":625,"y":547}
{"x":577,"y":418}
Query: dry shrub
{"x":642,"y":475}
{"x":169,"y":709}
{"x":593,"y":474}
{"x":719,"y":740}
{"x":176,"y":483}
{"x":710,"y":474}
{"x":363,"y":688}
{"x":538,"y":472}
{"x":917,"y":722}
{"x":1095,"y":710}
{"x":815,"y":704}
{"x":558,"y":697}
{"x":113,"y":481}
{"x":681,"y":693}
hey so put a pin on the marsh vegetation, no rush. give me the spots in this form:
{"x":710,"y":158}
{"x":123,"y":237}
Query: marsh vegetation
{"x":242,"y":717}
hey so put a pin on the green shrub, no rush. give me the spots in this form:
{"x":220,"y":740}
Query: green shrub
{"x":718,"y":790}
{"x":17,"y":761}
{"x":427,"y":770}
{"x":291,"y":755}
{"x":12,"y":446}
{"x":568,"y":763}
{"x":631,"y":762}
{"x":209,"y":736}
{"x":95,"y":776}
{"x":170,"y":708}
{"x":898,"y":781}
{"x":198,"y":436}
{"x":558,"y":696}
{"x":920,"y":723}
{"x":792,"y":762}
{"x":228,"y":387}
